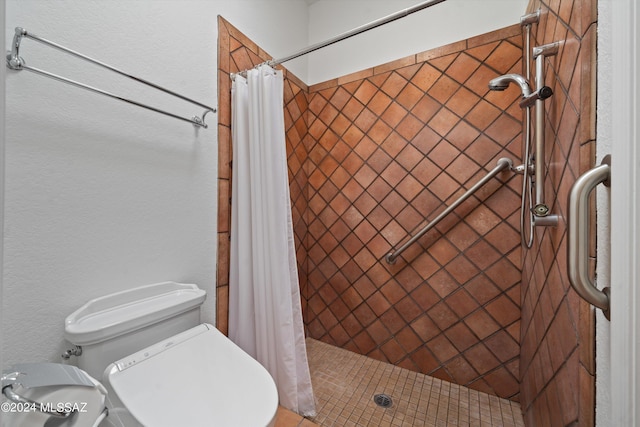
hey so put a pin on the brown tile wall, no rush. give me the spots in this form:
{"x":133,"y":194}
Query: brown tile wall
{"x":373,"y":153}
{"x":236,"y":52}
{"x":393,"y":146}
{"x":557,"y":356}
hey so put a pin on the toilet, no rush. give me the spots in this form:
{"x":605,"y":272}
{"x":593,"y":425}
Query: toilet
{"x":158,"y":366}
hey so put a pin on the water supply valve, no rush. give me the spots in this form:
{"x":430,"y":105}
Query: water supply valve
{"x":76,"y":350}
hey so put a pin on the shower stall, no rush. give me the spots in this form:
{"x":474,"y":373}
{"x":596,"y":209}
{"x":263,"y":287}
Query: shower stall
{"x":377,"y":155}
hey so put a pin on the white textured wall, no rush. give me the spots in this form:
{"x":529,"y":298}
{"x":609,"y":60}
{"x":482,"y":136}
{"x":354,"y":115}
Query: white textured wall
{"x":102,"y":196}
{"x":2,"y":73}
{"x":436,"y":26}
{"x":618,"y":341}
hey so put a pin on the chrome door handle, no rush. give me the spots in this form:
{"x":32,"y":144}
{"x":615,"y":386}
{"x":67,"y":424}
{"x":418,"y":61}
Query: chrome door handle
{"x":578,"y":236}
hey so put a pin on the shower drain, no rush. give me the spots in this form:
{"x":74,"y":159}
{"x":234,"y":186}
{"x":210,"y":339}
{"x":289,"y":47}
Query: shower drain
{"x":383,"y":400}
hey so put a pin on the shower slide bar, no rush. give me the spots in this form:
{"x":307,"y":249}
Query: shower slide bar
{"x":358,"y":30}
{"x":541,"y":210}
{"x":15,"y":62}
{"x":578,"y":236}
{"x":526,"y":196}
{"x":503,"y":163}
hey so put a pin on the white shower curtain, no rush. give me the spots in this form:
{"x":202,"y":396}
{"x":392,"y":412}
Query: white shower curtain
{"x":265,"y":316}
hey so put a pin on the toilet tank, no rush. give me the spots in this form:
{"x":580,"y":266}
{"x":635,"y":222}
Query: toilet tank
{"x":116,"y":325}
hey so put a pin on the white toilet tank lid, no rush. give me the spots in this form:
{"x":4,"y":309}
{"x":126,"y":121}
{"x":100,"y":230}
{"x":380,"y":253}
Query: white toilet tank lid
{"x":112,"y":315}
{"x":198,"y":378}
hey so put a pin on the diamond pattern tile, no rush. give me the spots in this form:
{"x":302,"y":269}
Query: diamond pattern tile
{"x":557,"y":328}
{"x":433,"y":135}
{"x":369,"y":163}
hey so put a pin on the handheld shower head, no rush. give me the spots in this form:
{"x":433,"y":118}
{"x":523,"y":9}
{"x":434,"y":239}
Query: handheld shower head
{"x":502,"y":82}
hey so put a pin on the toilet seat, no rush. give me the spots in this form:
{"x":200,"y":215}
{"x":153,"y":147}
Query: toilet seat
{"x":196,"y":378}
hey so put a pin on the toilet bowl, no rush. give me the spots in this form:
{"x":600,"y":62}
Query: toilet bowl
{"x":165,"y":368}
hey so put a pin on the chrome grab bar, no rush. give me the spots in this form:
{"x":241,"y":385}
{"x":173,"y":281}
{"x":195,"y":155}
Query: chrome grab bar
{"x":503,"y":163}
{"x":578,"y":236}
{"x":15,"y":62}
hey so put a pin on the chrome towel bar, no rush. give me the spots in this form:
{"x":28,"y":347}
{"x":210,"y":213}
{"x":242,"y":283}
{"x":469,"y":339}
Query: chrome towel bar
{"x":503,"y":163}
{"x":15,"y":62}
{"x":578,"y":236}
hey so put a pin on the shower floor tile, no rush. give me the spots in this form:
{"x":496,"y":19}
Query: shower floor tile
{"x":344,"y":384}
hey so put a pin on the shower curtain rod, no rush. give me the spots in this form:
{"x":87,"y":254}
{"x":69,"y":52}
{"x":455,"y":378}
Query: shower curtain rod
{"x":15,"y":62}
{"x":359,"y":30}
